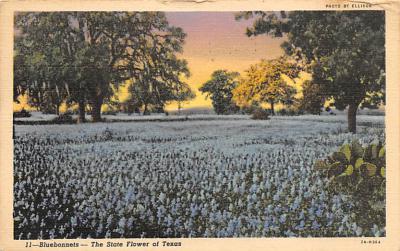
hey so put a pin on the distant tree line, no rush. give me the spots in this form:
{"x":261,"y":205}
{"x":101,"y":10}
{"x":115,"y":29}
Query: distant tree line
{"x":78,"y":57}
{"x":262,"y":83}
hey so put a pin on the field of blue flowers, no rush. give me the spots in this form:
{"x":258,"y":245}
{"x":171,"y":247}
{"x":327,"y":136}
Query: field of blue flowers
{"x":225,"y":178}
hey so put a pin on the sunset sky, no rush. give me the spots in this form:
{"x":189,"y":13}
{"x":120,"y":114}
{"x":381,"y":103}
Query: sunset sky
{"x":215,"y":40}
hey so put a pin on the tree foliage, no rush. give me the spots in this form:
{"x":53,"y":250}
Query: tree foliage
{"x":313,"y":99}
{"x":345,"y":50}
{"x":184,"y":93}
{"x":263,"y":83}
{"x":219,"y":88}
{"x":85,"y":53}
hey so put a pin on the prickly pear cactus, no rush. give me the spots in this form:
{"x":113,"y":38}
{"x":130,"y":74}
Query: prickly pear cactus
{"x":355,"y":161}
{"x":359,"y":172}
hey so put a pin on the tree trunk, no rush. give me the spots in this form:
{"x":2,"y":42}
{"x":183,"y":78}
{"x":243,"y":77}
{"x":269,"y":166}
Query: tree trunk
{"x":179,"y":108}
{"x":58,"y":109}
{"x":272,"y":108}
{"x":145,"y":111}
{"x":351,"y":117}
{"x":96,"y":109}
{"x":129,"y":108}
{"x":81,"y":108}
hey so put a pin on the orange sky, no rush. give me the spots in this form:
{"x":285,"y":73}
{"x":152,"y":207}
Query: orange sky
{"x":215,"y":40}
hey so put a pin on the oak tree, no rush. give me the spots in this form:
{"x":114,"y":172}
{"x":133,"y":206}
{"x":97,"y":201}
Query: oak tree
{"x":219,"y":88}
{"x":344,"y":50}
{"x":264,"y":83}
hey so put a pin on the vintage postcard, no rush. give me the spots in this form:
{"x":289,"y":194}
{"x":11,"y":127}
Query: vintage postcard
{"x":211,"y":125}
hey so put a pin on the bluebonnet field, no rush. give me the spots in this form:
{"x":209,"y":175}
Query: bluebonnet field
{"x":219,"y":178}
